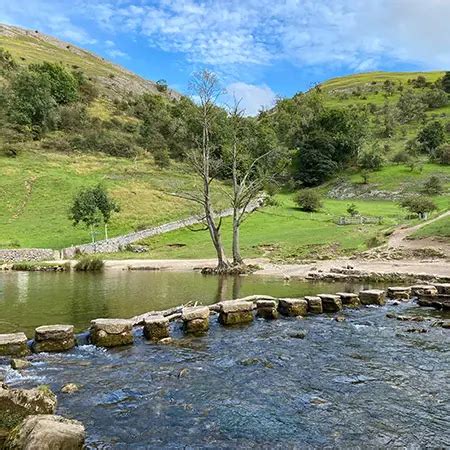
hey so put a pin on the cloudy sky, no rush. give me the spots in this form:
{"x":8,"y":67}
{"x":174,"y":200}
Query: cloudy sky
{"x":260,"y":48}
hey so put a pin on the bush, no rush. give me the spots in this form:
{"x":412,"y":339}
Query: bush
{"x":419,"y":205}
{"x":72,"y":117}
{"x":308,"y":200}
{"x":89,"y":264}
{"x":442,"y":154}
{"x":351,"y":209}
{"x":433,"y":186}
{"x":402,"y":157}
{"x":371,"y":160}
{"x":435,"y":98}
{"x":431,"y":136}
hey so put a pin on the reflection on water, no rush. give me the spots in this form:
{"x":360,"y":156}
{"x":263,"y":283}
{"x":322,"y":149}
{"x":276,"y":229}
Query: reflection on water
{"x":28,"y":300}
{"x":362,"y":383}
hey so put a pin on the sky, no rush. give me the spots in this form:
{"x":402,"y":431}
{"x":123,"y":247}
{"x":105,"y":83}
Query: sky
{"x":260,"y":49}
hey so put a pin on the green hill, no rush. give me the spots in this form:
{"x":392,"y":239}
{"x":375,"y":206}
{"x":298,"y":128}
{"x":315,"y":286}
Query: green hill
{"x":130,"y":134}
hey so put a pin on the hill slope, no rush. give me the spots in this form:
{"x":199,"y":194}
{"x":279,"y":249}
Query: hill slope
{"x":29,"y":46}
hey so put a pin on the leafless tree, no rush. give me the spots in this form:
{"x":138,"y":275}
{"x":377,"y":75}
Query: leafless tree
{"x":206,"y":89}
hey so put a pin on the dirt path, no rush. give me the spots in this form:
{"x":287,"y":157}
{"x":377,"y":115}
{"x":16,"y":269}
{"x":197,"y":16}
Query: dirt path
{"x":397,"y":238}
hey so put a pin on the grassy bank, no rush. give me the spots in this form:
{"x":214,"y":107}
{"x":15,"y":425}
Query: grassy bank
{"x":439,"y":230}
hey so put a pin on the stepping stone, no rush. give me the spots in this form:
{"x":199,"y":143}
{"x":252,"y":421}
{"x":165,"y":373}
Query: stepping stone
{"x":293,"y":307}
{"x":331,"y":302}
{"x":156,"y":327}
{"x":443,"y":288}
{"x":372,"y":297}
{"x":399,"y":292}
{"x":266,"y":309}
{"x":195,"y":319}
{"x":13,"y":344}
{"x":349,"y":299}
{"x":111,"y":332}
{"x":53,"y":338}
{"x":314,"y":304}
{"x":234,"y":312}
{"x":423,"y":289}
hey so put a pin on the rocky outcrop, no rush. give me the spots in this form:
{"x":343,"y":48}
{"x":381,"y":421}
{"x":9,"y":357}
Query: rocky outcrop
{"x":53,"y":338}
{"x":195,"y":319}
{"x":234,"y":312}
{"x":156,"y":327}
{"x":373,"y":297}
{"x":47,"y":432}
{"x":13,"y":344}
{"x":111,"y":332}
{"x":16,"y":404}
{"x":267,"y":309}
{"x":292,"y":307}
{"x":330,"y":302}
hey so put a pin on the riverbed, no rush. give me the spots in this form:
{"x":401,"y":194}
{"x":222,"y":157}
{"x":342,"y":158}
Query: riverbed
{"x":367,"y":381}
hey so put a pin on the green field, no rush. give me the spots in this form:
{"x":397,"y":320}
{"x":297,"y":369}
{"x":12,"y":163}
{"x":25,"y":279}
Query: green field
{"x":439,"y":230}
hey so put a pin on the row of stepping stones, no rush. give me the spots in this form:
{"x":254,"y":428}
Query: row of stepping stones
{"x":117,"y":332}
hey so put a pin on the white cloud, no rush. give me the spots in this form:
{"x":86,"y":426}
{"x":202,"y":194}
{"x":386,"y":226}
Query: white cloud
{"x":252,"y":98}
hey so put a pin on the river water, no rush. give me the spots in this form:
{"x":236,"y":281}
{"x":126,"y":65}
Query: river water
{"x":364,"y":382}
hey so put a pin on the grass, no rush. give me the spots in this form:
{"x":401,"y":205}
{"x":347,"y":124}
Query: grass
{"x":282,"y":232}
{"x":439,"y":229}
{"x":37,"y":188}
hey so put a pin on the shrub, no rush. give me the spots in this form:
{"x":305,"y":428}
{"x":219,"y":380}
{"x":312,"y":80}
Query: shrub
{"x":435,"y":98}
{"x":401,"y":157}
{"x":89,"y":264}
{"x":161,"y":157}
{"x":371,"y":160}
{"x":308,"y":200}
{"x":351,"y":209}
{"x":433,"y":186}
{"x":7,"y":62}
{"x":72,"y":117}
{"x":431,"y":136}
{"x":442,"y":154}
{"x":418,"y":204}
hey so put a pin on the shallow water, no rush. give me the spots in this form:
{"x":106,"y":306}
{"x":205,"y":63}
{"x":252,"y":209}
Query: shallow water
{"x":364,"y":382}
{"x":31,"y":299}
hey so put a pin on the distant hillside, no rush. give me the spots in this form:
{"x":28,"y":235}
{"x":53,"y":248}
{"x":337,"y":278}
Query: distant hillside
{"x":32,"y":46}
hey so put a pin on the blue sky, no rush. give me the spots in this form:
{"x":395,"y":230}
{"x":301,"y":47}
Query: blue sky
{"x":261,"y":49}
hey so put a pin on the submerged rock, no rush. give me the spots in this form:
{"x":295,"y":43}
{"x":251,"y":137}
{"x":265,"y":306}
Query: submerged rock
{"x":331,"y":302}
{"x":20,"y":364}
{"x":16,"y":404}
{"x":14,"y":344}
{"x":70,"y":388}
{"x":111,"y":332}
{"x":54,"y":338}
{"x":373,"y":297}
{"x":292,"y":307}
{"x":47,"y":432}
{"x":156,"y":327}
{"x":298,"y":334}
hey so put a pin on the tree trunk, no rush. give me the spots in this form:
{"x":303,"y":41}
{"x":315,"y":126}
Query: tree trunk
{"x":106,"y":231}
{"x":237,"y":259}
{"x":92,"y":234}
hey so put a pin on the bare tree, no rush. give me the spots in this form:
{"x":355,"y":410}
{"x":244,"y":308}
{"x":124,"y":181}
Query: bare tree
{"x":205,"y":87}
{"x":250,"y":174}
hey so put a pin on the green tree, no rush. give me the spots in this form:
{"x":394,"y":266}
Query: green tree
{"x":63,"y":84}
{"x":105,"y":204}
{"x":433,"y":186}
{"x":371,"y":159}
{"x":31,"y":102}
{"x":419,"y":205}
{"x":431,"y":136}
{"x":7,"y":62}
{"x":445,"y":82}
{"x":411,"y":107}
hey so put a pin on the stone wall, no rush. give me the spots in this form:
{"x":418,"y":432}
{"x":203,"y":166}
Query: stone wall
{"x":118,"y":243}
{"x":28,"y":254}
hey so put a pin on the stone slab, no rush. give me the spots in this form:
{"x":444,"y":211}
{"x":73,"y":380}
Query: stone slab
{"x":229,"y":306}
{"x":235,"y":317}
{"x":156,"y":327}
{"x":13,"y":344}
{"x":373,"y":297}
{"x":314,"y":304}
{"x":292,"y":307}
{"x":112,"y":326}
{"x":195,"y":312}
{"x":53,"y":332}
{"x":331,"y":302}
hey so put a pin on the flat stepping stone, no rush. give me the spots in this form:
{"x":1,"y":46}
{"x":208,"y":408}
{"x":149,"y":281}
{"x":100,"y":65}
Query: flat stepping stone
{"x":267,"y":309}
{"x":331,"y":302}
{"x":373,"y":297}
{"x":349,"y":298}
{"x":235,"y":312}
{"x":195,"y":319}
{"x":13,"y":344}
{"x":229,"y":306}
{"x":443,"y":288}
{"x":111,"y":332}
{"x":399,"y":292}
{"x":423,"y":289}
{"x":156,"y":327}
{"x":54,"y":338}
{"x":292,"y":307}
{"x":314,"y":304}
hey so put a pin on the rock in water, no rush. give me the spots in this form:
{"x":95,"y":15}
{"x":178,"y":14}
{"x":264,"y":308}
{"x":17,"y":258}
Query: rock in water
{"x":20,"y":364}
{"x":266,"y":309}
{"x":111,"y":332}
{"x":195,"y":319}
{"x":54,"y":338}
{"x":47,"y":432}
{"x":156,"y":327}
{"x":331,"y":302}
{"x":234,"y":312}
{"x":373,"y":297}
{"x":349,"y":299}
{"x":14,"y":344}
{"x":314,"y":304}
{"x":292,"y":307}
{"x":70,"y":388}
{"x":399,"y":292}
{"x":16,"y":404}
